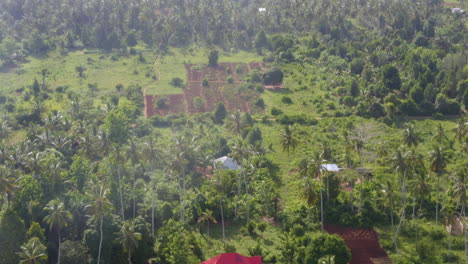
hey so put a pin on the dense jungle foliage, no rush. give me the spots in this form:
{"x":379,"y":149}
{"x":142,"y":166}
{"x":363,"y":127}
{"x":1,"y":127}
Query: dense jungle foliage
{"x":379,"y":88}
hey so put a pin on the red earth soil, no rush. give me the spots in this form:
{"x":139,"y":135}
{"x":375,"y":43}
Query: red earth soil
{"x":363,"y":243}
{"x":218,"y":90}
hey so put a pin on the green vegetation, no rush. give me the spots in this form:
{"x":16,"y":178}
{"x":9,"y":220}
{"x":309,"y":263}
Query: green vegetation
{"x":378,"y":88}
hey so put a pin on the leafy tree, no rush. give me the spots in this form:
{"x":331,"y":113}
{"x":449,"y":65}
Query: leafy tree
{"x":33,"y":252}
{"x":325,"y":244}
{"x":117,"y":126}
{"x":177,"y":82}
{"x":57,"y":219}
{"x":261,"y":41}
{"x":220,"y":113}
{"x":273,"y":76}
{"x":74,"y":252}
{"x":354,"y":90}
{"x":213,"y":58}
{"x":81,"y":71}
{"x":391,"y":77}
{"x":13,"y":235}
{"x":131,"y":39}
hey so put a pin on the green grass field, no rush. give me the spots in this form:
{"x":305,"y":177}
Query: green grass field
{"x":106,"y":70}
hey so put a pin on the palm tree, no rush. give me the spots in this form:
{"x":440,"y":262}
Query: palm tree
{"x":100,"y":206}
{"x":317,"y":174}
{"x":57,"y":219}
{"x":440,"y":136}
{"x":438,"y":162}
{"x":460,"y":186}
{"x":234,"y":123}
{"x":152,"y":154}
{"x":128,"y":238}
{"x":33,"y":252}
{"x":207,"y":216}
{"x":289,"y":141}
{"x":400,"y":164}
{"x":329,"y":259}
{"x":7,"y":186}
{"x":410,"y":138}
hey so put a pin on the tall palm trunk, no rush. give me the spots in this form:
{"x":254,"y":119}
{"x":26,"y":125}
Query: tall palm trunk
{"x":133,"y":195}
{"x":59,"y":238}
{"x":100,"y":241}
{"x":437,"y":200}
{"x":152,"y":213}
{"x":222,"y":220}
{"x":248,"y":199}
{"x":361,"y":191}
{"x":321,"y":207}
{"x":129,"y":256}
{"x":403,"y":212}
{"x":121,"y":196}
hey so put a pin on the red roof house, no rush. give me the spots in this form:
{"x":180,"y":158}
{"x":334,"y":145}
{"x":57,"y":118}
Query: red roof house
{"x":233,"y":258}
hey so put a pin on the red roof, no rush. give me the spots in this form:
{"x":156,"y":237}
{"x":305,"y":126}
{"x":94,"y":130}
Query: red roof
{"x":233,"y":258}
{"x":363,"y":243}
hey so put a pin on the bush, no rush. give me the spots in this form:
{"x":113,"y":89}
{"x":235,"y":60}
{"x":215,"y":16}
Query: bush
{"x":260,"y":103}
{"x":251,"y":227}
{"x":230,"y":80}
{"x":161,"y":103}
{"x":286,"y":100}
{"x":197,"y":102}
{"x":275,"y":111}
{"x":177,"y":82}
{"x":229,"y":248}
{"x":205,"y":83}
{"x":273,"y":76}
{"x":259,"y":88}
{"x":325,"y":244}
{"x":262,"y":226}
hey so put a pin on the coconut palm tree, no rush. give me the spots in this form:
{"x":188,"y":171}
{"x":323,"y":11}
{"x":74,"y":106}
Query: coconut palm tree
{"x":327,"y":260}
{"x":289,"y":141}
{"x":317,"y":174}
{"x":57,"y":219}
{"x":459,"y":187}
{"x":33,"y":252}
{"x":128,"y":238}
{"x":100,"y":206}
{"x":438,"y":161}
{"x":410,"y":137}
{"x":7,"y":186}
{"x":207,"y":216}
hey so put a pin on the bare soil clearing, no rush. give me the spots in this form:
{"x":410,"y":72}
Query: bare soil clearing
{"x":225,"y":85}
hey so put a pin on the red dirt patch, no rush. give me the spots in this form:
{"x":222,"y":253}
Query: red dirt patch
{"x":232,"y":94}
{"x":363,"y":243}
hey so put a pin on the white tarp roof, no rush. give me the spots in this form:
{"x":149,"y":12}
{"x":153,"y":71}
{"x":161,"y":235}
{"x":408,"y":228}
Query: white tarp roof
{"x":330,"y":167}
{"x":226,"y":163}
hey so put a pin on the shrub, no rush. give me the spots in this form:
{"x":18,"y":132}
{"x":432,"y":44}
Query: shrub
{"x":262,"y":226}
{"x":251,"y":227}
{"x":286,"y":100}
{"x":177,"y":82}
{"x":273,"y":76}
{"x":230,"y":80}
{"x":260,"y":103}
{"x":205,"y":83}
{"x":259,"y":88}
{"x":275,"y":111}
{"x":161,"y":103}
{"x":197,"y":102}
